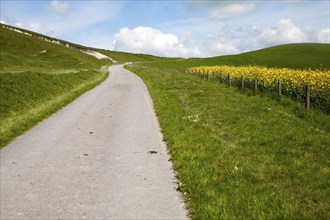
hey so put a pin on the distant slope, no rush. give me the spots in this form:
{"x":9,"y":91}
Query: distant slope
{"x":124,"y":57}
{"x":298,"y":56}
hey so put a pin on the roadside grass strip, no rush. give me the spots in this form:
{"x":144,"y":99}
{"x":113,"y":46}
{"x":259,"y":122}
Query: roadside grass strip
{"x":27,"y":98}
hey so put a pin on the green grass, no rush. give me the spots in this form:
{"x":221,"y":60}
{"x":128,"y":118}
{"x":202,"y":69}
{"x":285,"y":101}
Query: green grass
{"x":21,"y":53}
{"x":246,"y":157}
{"x":37,"y":78}
{"x":27,"y":98}
{"x":295,"y":56}
{"x":242,"y":157}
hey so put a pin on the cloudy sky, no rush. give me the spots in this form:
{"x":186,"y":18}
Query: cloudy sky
{"x":175,"y":28}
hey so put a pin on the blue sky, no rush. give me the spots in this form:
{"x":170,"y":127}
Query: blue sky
{"x":174,"y":28}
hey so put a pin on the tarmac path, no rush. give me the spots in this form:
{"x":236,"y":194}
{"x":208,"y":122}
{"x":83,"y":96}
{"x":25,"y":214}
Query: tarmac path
{"x":100,"y":157}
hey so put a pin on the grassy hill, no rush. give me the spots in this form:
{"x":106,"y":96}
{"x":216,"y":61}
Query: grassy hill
{"x":296,"y":56}
{"x":22,"y":53}
{"x":37,"y":78}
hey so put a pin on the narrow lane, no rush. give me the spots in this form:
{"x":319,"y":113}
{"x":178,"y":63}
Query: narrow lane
{"x":100,"y":157}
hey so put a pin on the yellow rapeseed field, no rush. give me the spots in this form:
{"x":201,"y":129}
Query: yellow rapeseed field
{"x":291,"y":79}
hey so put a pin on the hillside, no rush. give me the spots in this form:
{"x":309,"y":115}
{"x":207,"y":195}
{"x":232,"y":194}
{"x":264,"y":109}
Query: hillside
{"x":38,"y":77}
{"x":21,"y":53}
{"x":123,"y":57}
{"x":297,"y":56}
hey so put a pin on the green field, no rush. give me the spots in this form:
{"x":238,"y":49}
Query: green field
{"x":37,"y":78}
{"x":237,"y":155}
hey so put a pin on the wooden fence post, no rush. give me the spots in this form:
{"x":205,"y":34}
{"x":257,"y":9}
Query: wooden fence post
{"x":308,"y":97}
{"x":279,"y":86}
{"x":255,"y":85}
{"x":229,"y":79}
{"x":242,"y":79}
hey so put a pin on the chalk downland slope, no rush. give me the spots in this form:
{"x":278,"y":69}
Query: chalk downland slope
{"x":87,"y":50}
{"x":39,"y":77}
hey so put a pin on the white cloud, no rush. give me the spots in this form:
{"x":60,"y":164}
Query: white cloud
{"x":217,"y":44}
{"x":152,"y":41}
{"x":59,"y":7}
{"x":324,"y":36}
{"x":242,"y":38}
{"x":228,"y":39}
{"x":286,"y":32}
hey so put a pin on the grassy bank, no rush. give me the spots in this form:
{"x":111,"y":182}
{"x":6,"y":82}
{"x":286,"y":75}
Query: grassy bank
{"x":27,"y":98}
{"x":240,"y":156}
{"x":37,"y":78}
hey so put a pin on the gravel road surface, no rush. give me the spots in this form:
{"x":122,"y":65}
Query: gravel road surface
{"x":100,"y":157}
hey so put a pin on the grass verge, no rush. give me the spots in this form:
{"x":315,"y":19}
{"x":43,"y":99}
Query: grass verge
{"x":240,"y":156}
{"x":27,"y":98}
{"x":37,"y":78}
